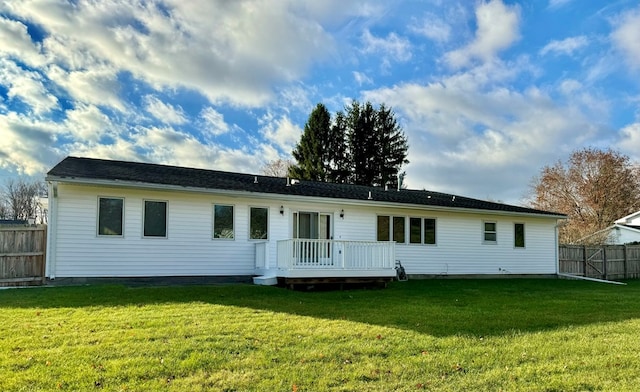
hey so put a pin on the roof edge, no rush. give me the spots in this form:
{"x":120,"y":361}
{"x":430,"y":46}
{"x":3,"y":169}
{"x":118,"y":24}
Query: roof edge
{"x":265,"y":195}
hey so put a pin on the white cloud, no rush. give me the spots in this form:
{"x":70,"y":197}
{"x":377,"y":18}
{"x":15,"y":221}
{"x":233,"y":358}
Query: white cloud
{"x":361,"y":78}
{"x":214,"y":121}
{"x":27,"y":86}
{"x":629,"y":142}
{"x":234,"y":57}
{"x":88,"y":123}
{"x":482,"y":141}
{"x":16,"y":42}
{"x":296,"y":97}
{"x":164,"y":112}
{"x":165,"y":145}
{"x":27,"y":144}
{"x":120,"y":149}
{"x":558,"y":3}
{"x":498,"y":28}
{"x":626,"y":37}
{"x":280,"y":132}
{"x":392,"y":48}
{"x":95,"y":86}
{"x":169,"y":146}
{"x":569,"y":86}
{"x":566,"y":46}
{"x":432,"y":27}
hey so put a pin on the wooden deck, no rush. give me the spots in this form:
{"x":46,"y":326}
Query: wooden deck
{"x":339,"y":283}
{"x":312,"y":261}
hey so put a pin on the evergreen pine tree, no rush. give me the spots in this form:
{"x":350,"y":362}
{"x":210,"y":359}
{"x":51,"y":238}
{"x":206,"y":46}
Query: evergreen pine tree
{"x":311,"y":152}
{"x":391,"y":148}
{"x":360,"y":134}
{"x":364,"y":146}
{"x":340,"y":155}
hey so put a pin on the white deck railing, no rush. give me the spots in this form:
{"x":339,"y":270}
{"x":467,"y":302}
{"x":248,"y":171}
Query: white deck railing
{"x":335,"y":254}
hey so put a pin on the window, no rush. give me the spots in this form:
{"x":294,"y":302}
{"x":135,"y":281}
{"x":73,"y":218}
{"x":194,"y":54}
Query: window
{"x":430,"y":231}
{"x":383,"y":228}
{"x":398,"y":229}
{"x":391,"y":226}
{"x":110,"y":216}
{"x":223,"y":221}
{"x":155,"y":218}
{"x":258,"y":223}
{"x":415,"y":230}
{"x":422,"y":231}
{"x":518,"y":235}
{"x":490,"y":234}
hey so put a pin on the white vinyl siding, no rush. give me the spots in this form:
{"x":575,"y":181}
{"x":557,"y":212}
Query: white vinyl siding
{"x":189,"y":249}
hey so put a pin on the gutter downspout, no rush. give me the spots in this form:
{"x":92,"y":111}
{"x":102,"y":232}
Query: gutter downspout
{"x":52,"y":232}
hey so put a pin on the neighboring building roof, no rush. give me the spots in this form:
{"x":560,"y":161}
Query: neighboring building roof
{"x":98,"y":170}
{"x":629,"y":219}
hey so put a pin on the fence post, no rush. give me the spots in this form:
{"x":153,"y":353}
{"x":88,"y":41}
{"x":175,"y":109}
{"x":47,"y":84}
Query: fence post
{"x":624,"y":253}
{"x":584,"y":260}
{"x":604,"y":261}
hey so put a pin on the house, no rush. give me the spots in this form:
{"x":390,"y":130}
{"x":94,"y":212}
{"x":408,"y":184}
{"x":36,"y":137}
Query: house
{"x":125,"y":219}
{"x":625,"y":230}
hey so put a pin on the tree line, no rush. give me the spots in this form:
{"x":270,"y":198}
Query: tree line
{"x":20,"y":200}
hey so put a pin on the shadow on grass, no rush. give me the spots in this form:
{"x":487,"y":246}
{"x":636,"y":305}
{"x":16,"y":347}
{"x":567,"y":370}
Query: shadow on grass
{"x":435,"y":307}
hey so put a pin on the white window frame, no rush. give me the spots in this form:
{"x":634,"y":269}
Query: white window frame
{"x":166,"y":218}
{"x":524,"y":235}
{"x":388,"y":227}
{"x":404,"y":232}
{"x":213,"y":222}
{"x":98,"y":218}
{"x":424,"y":233}
{"x":249,"y":225}
{"x":421,"y":240}
{"x":391,"y":228}
{"x":484,"y":232}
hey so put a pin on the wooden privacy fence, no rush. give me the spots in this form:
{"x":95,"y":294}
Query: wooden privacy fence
{"x":22,"y":255}
{"x":609,"y":262}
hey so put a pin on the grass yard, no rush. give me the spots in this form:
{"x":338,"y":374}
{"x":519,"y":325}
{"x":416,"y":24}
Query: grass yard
{"x":450,"y":335}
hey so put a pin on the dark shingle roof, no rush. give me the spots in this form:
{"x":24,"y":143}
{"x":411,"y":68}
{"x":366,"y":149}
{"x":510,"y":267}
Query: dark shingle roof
{"x":97,"y":169}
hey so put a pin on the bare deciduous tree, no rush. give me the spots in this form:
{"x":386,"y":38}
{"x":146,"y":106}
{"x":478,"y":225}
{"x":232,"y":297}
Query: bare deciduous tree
{"x":4,"y":210}
{"x":277,"y":168}
{"x":22,"y":198}
{"x":593,"y":188}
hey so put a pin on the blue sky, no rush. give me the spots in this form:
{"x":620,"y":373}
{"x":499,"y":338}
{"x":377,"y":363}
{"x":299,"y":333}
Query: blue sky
{"x":487,"y":92}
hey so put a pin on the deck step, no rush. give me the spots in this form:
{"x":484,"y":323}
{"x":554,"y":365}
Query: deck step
{"x":265,"y":280}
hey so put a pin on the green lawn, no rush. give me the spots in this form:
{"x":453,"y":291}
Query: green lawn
{"x":458,"y":335}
